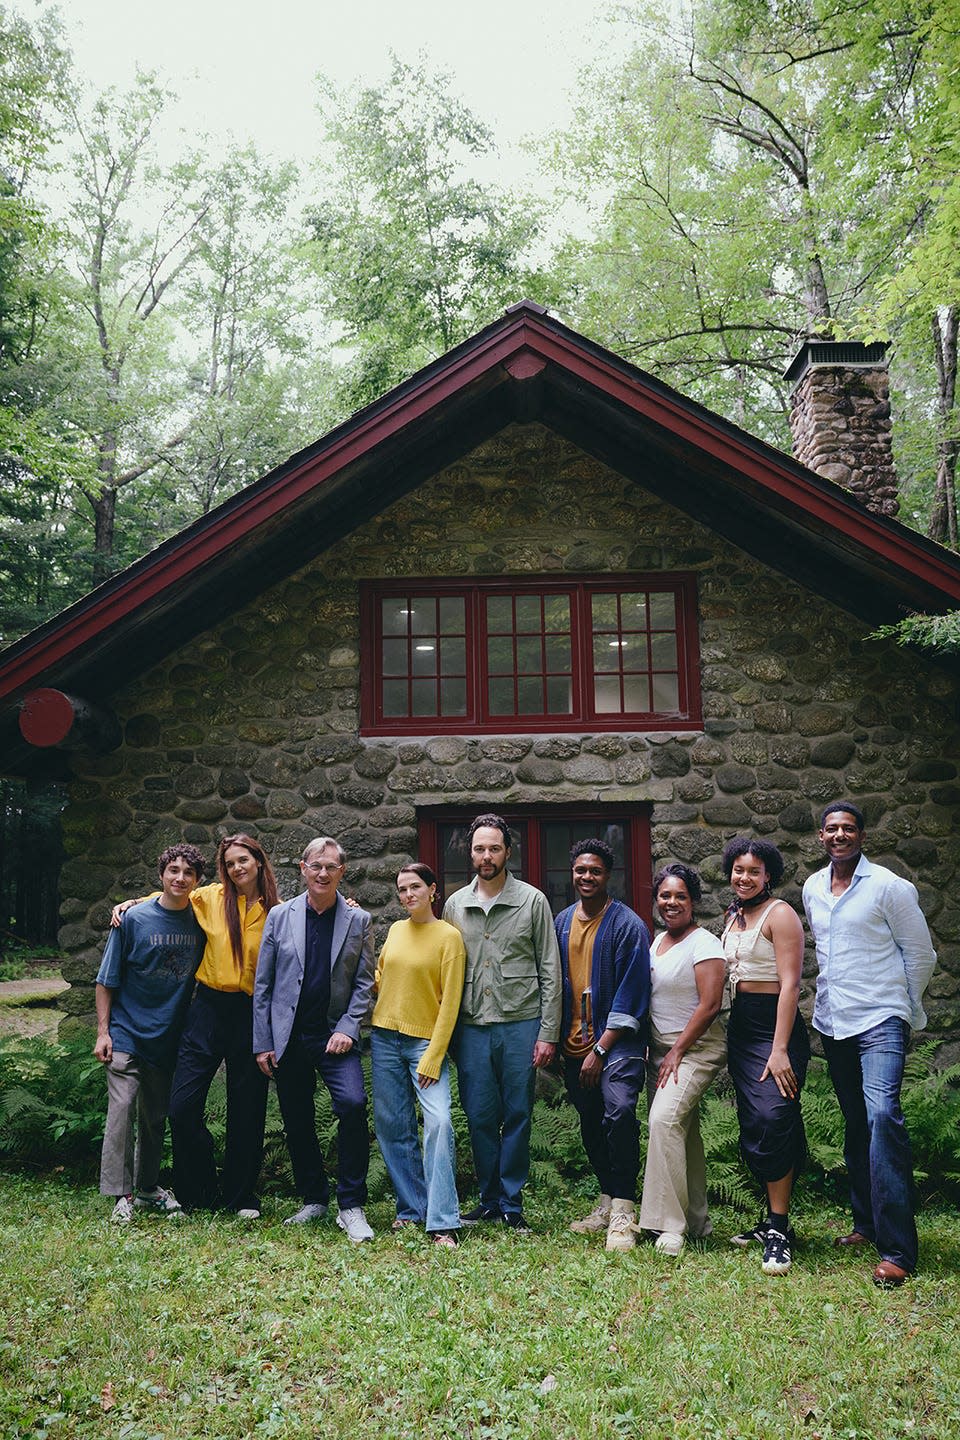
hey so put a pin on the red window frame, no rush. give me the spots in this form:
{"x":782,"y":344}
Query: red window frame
{"x":589,"y":818}
{"x":584,"y":715}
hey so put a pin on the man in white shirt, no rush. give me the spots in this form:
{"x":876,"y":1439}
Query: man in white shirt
{"x":875,"y":960}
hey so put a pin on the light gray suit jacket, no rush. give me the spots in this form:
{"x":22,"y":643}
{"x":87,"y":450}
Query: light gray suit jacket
{"x":280,"y":973}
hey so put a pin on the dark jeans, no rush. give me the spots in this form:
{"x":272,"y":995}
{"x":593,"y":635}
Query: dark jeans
{"x":608,"y":1116}
{"x":303,"y":1060}
{"x":867,"y":1073}
{"x":219,"y":1029}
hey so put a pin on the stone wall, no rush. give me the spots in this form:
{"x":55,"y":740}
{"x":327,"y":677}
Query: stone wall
{"x":255,"y":724}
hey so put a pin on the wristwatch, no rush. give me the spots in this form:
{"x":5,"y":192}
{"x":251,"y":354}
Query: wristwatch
{"x":599,"y":1050}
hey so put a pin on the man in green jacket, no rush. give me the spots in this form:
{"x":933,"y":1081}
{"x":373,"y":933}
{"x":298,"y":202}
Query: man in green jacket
{"x":509,"y":1019}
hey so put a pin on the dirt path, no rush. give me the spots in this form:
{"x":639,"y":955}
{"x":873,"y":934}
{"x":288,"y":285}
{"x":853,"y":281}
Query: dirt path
{"x":25,"y":1019}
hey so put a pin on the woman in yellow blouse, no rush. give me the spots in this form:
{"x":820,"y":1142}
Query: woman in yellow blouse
{"x":219,"y":1028}
{"x":420,"y":982}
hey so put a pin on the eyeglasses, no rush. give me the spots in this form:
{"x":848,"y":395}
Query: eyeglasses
{"x":320,"y":868}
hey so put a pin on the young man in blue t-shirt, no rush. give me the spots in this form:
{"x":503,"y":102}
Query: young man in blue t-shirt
{"x":144,"y":986}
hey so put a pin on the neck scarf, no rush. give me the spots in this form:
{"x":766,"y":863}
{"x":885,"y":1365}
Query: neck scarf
{"x":737,"y":911}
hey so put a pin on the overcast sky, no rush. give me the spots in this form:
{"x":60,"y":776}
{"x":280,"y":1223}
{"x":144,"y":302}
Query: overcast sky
{"x":246,"y":67}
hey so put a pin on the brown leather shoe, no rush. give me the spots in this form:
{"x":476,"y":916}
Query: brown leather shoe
{"x":854,"y":1238}
{"x":889,"y":1276}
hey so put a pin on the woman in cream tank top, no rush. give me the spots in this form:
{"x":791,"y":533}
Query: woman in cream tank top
{"x":767,"y":1041}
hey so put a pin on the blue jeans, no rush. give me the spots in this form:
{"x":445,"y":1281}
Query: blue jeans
{"x":496,"y":1077}
{"x":425,"y":1184}
{"x":867,"y":1073}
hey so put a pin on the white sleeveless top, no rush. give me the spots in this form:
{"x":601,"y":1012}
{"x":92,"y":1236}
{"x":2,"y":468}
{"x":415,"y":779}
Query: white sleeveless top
{"x":750,"y":955}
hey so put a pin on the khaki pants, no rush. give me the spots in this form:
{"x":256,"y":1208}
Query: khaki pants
{"x":141,"y":1092}
{"x":675,"y":1178}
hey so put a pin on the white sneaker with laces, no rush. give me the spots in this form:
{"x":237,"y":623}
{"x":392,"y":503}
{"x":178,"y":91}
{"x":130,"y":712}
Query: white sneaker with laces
{"x":354,"y":1222}
{"x":158,"y":1199}
{"x":597,"y":1221}
{"x":123,"y":1211}
{"x":622,"y":1230}
{"x":305,"y":1214}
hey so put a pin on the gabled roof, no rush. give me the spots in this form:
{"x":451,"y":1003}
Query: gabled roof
{"x":525,"y":367}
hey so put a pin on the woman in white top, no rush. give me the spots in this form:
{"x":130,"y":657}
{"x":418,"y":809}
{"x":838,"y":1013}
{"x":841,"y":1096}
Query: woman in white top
{"x":768,"y":1045}
{"x":687,"y":1049}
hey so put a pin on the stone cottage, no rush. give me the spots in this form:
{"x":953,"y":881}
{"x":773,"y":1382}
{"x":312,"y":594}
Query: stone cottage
{"x":531,"y":578}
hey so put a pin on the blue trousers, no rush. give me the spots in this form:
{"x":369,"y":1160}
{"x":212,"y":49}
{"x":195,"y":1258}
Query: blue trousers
{"x":496,"y":1077}
{"x":608,"y":1115}
{"x":867,"y":1074}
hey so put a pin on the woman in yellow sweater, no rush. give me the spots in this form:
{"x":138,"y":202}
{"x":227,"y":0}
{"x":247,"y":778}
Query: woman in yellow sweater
{"x":420,"y":982}
{"x":219,"y":1028}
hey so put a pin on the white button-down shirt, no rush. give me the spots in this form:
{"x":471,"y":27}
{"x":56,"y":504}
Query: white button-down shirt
{"x":873,"y":949}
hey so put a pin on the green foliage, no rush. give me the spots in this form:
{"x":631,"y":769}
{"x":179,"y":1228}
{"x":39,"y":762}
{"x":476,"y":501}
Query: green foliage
{"x":412,"y":254}
{"x":52,"y":1102}
{"x":938,"y":633}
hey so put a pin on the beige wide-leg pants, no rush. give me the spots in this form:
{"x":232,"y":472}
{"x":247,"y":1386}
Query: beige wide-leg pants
{"x":675,"y":1178}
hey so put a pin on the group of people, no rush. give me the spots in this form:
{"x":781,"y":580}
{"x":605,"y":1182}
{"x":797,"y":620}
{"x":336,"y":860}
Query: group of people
{"x":500,"y":986}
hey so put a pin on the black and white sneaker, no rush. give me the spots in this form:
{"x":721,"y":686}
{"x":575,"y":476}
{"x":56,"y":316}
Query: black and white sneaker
{"x":776,"y":1252}
{"x":747,"y":1237}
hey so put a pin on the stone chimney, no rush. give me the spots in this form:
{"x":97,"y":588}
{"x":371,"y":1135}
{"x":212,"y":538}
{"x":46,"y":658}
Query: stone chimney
{"x":840,"y":418}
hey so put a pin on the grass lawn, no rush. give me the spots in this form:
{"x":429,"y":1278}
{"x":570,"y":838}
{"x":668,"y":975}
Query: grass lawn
{"x":215,"y":1328}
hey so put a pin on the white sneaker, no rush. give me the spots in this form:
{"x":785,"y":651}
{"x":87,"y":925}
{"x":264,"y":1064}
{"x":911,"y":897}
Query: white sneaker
{"x":122,"y":1211}
{"x":354,"y":1222}
{"x":248,"y":1213}
{"x":597,"y":1221}
{"x":158,"y":1199}
{"x":305,"y":1214}
{"x":622,"y":1230}
{"x":668,"y":1243}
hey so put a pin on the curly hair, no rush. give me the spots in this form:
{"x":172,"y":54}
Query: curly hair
{"x":679,"y":871}
{"x":491,"y":822}
{"x":182,"y":851}
{"x":594,"y":847}
{"x":762,"y":850}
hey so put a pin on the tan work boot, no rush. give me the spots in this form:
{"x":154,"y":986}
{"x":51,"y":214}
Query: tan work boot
{"x":597,"y":1221}
{"x":622,"y":1229}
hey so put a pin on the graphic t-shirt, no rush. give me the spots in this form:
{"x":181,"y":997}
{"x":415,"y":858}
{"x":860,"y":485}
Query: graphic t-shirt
{"x":149,"y":962}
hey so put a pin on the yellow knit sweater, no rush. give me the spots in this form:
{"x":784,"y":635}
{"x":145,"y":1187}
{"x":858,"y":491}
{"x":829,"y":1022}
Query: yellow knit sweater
{"x":419,"y":985}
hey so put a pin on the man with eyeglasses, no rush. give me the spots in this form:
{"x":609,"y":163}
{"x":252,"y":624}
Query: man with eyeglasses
{"x":313,"y":991}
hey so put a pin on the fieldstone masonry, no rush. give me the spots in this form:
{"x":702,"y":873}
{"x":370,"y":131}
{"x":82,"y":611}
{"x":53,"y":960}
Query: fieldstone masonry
{"x":840,"y":422}
{"x":254,"y":725}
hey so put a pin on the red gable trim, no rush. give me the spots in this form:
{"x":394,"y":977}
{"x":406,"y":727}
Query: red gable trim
{"x":524,"y":344}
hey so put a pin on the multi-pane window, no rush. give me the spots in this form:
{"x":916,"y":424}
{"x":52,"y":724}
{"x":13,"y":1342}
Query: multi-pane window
{"x":508,"y":655}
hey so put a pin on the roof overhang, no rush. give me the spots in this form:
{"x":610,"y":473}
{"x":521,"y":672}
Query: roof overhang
{"x":525,"y":367}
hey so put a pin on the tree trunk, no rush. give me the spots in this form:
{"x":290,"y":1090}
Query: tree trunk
{"x":943,"y":516}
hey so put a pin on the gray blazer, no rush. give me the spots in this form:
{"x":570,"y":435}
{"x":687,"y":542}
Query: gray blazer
{"x":280,"y":973}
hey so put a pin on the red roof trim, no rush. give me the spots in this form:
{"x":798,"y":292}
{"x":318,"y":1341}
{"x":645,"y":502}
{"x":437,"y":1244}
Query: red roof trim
{"x":522,"y":332}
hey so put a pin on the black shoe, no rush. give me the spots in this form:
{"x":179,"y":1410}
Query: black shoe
{"x":747,"y":1237}
{"x":479,"y":1215}
{"x":514,"y":1220}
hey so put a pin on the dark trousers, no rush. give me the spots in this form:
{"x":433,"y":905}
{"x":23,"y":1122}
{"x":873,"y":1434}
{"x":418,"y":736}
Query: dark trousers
{"x":772,"y":1138}
{"x":608,"y":1116}
{"x":219,"y":1029}
{"x":867,"y":1073}
{"x":303,"y":1060}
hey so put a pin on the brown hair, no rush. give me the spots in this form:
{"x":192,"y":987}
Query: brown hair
{"x":266,"y":886}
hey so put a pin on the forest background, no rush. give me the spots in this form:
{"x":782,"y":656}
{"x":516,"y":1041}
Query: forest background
{"x":739,"y":174}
